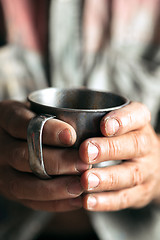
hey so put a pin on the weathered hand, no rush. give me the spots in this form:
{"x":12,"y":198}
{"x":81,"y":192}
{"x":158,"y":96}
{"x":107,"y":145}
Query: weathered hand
{"x":136,"y":181}
{"x":18,"y":183}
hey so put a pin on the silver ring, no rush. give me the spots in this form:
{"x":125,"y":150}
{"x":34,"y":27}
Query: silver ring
{"x":34,"y":140}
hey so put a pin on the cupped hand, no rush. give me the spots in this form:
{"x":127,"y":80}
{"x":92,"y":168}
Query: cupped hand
{"x":18,"y":183}
{"x":133,"y":183}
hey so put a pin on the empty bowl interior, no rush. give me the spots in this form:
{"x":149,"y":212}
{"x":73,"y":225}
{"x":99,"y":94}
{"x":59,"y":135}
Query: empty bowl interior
{"x":76,"y":99}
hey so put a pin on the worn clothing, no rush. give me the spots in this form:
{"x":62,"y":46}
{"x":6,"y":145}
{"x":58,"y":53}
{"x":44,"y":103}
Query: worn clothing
{"x":125,"y":59}
{"x":107,"y":45}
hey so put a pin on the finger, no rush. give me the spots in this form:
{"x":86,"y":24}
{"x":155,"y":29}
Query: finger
{"x":57,"y":161}
{"x":127,"y":146}
{"x":54,"y":206}
{"x":136,"y":197}
{"x":15,"y":120}
{"x":126,"y":119}
{"x":125,"y":175}
{"x":7,"y":176}
{"x":63,"y":161}
{"x":28,"y":187}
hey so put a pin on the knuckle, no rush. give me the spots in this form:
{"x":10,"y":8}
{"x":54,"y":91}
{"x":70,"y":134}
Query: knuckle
{"x":13,"y":130}
{"x":23,"y":153}
{"x":57,"y":168}
{"x":135,"y":138}
{"x":146,"y":113}
{"x":123,"y":201}
{"x":147,"y":192}
{"x":18,"y":154}
{"x":113,"y":148}
{"x":139,"y":143}
{"x":145,"y":197}
{"x":137,"y":175}
{"x":130,"y":118}
{"x":143,"y":113}
{"x":120,"y":200}
{"x":12,"y":125}
{"x":113,"y":181}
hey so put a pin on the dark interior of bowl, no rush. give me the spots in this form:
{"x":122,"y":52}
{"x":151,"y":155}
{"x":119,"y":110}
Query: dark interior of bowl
{"x":77,"y":99}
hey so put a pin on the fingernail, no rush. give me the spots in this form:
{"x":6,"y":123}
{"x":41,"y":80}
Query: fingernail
{"x":93,"y":181}
{"x":75,"y":187}
{"x":81,"y":166}
{"x":65,"y":136}
{"x":76,"y":202}
{"x":91,"y":202}
{"x":111,"y":126}
{"x":92,"y":152}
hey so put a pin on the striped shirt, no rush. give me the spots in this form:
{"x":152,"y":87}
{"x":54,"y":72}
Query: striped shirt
{"x":109,"y":45}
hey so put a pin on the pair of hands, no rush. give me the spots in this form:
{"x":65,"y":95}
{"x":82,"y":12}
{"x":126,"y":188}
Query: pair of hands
{"x":128,"y":135}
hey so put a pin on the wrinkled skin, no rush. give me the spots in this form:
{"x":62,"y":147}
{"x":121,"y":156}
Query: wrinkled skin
{"x":128,"y":135}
